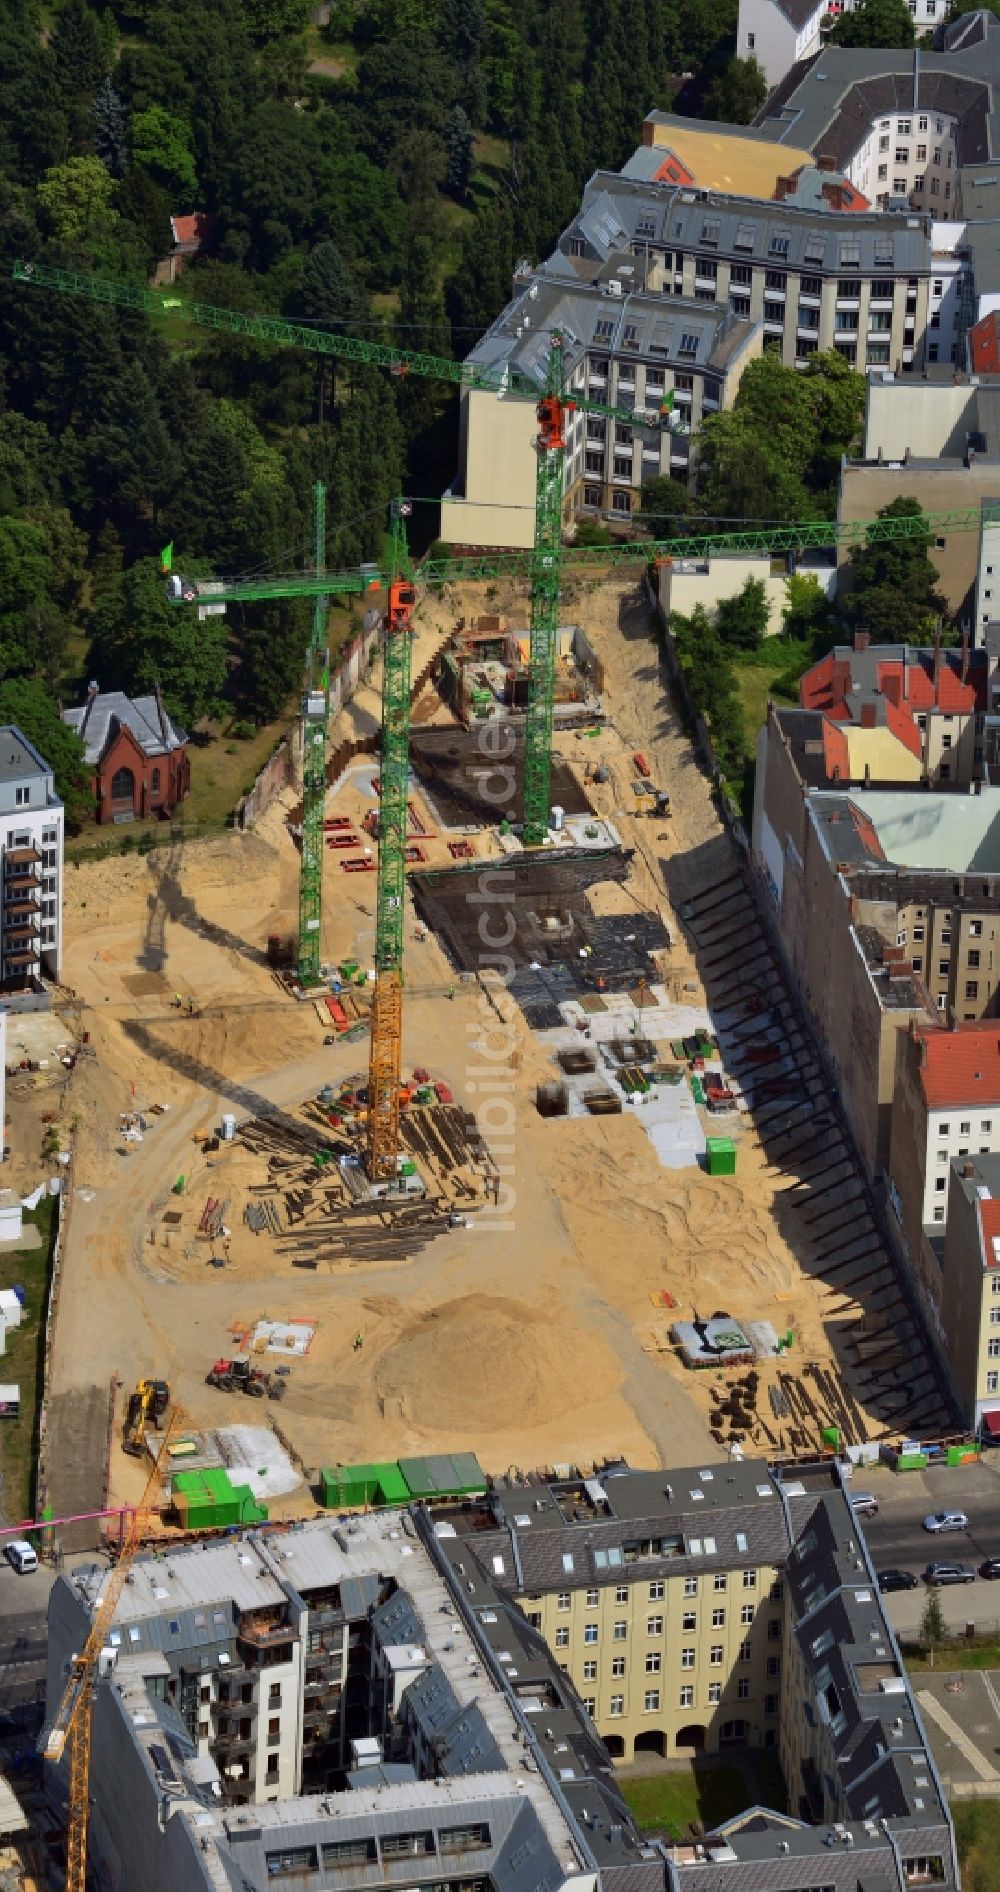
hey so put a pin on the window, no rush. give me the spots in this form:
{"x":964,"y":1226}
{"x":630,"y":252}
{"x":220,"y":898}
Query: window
{"x":687,"y":1655}
{"x":976,"y":926}
{"x":592,"y":1599}
{"x":774,"y":1629}
{"x":295,"y":1860}
{"x":654,"y":1625}
{"x":714,"y":1693}
{"x":849,"y":290}
{"x":594,"y":463}
{"x":590,"y":1704}
{"x":22,"y":796}
{"x":993,"y":1349}
{"x":751,"y":41}
{"x":921,"y":154}
{"x":592,"y":496}
{"x":590,"y":1671}
{"x":770,"y":1704}
{"x":943,"y":968}
{"x":746,"y":1613}
{"x":621,"y":1593}
{"x":618,"y":1666}
{"x":775,"y":279}
{"x":749,"y":1579}
{"x":745,"y":239}
{"x":122,"y":786}
{"x":993,"y":1382}
{"x":715,"y":1655}
{"x":740,"y":305}
{"x":719,"y":1581}
{"x":774,"y":1665}
{"x":654,"y":1661}
{"x":656,"y":1592}
{"x":690,"y":1586}
{"x":740,"y":275}
{"x":780,"y":240}
{"x":462,"y":1839}
{"x":743,"y":1689}
{"x":883,"y":143}
{"x":973,"y":961}
{"x":744,"y":1654}
{"x":903,"y":128}
{"x":616,"y":1705}
{"x":902,"y":154}
{"x":651,"y":1700}
{"x":965,"y":1129}
{"x":774,"y":312}
{"x":986,"y":1127}
{"x":995,"y":1316}
{"x":154,"y":782}
{"x":562,"y":1600}
{"x":921,"y":124}
{"x":274,"y":1693}
{"x":562,"y":1638}
{"x":718,"y":1619}
{"x":621,"y":502}
{"x":590,"y":1632}
{"x":688,"y":344}
{"x":972,"y":988}
{"x":883,"y":173}
{"x":689,"y":1620}
{"x":619,"y":1632}
{"x":687,"y":1696}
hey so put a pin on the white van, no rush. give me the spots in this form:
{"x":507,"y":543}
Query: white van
{"x":21,"y":1555}
{"x":863,"y":1503}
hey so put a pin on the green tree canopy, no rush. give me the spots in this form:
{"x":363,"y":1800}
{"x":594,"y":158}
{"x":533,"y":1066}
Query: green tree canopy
{"x":76,"y":199}
{"x":875,"y":23}
{"x":27,"y":703}
{"x":894,"y":582}
{"x":139,"y":639}
{"x":742,"y":621}
{"x":776,"y":453}
{"x":162,"y":147}
{"x":736,"y":95}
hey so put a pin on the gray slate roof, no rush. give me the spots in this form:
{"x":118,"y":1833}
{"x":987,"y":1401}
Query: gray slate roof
{"x":19,"y":758}
{"x":826,"y":104}
{"x":99,"y":719}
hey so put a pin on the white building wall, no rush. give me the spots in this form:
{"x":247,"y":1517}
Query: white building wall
{"x":987,"y":581}
{"x":41,"y":829}
{"x":765,"y":34}
{"x":971,"y":1130}
{"x":908,"y":154}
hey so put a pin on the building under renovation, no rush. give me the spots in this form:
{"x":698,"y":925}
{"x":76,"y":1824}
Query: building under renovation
{"x":391,"y":1700}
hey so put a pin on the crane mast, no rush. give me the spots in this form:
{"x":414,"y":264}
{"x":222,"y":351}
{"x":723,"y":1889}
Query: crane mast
{"x":315,"y":729}
{"x":385,"y":1055}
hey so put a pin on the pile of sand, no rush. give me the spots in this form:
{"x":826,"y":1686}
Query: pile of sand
{"x":484,"y":1363}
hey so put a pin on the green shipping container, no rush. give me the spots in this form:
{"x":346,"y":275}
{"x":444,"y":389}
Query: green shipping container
{"x":444,"y":1475}
{"x":208,"y":1500}
{"x":351,"y":1487}
{"x":720,"y":1156}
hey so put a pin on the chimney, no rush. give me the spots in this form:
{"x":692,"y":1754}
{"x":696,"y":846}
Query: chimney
{"x":783,"y":187}
{"x":937,"y":660}
{"x":93,"y":693}
{"x":869,"y":715}
{"x":965,"y":653}
{"x":164,"y":725}
{"x":862,"y":639}
{"x":825,"y":162}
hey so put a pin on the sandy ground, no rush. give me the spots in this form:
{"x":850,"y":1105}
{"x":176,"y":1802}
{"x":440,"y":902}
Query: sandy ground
{"x":531,"y":1338}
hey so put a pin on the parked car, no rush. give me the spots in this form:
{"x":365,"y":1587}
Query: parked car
{"x":21,"y":1555}
{"x":990,"y":1567}
{"x":896,"y":1580}
{"x":864,"y":1503}
{"x":949,"y":1573}
{"x":946,"y":1521}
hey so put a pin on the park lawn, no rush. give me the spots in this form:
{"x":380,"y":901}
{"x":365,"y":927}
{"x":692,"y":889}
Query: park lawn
{"x":674,"y":1800}
{"x":956,"y":1653}
{"x":977,"y":1830}
{"x":22,"y":1363}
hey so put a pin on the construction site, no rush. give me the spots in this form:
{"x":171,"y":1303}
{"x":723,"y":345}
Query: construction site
{"x":610,"y":1124}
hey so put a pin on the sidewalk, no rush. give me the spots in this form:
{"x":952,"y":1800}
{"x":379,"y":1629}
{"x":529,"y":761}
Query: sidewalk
{"x":961,"y":1603}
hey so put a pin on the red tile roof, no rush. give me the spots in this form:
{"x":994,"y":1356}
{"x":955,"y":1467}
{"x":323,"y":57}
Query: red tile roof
{"x":961,"y":1066}
{"x":197,"y":228}
{"x":984,"y":344}
{"x":826,"y":684}
{"x":952,"y":695}
{"x":989,"y":1220}
{"x":835,"y":752}
{"x":905,"y":729}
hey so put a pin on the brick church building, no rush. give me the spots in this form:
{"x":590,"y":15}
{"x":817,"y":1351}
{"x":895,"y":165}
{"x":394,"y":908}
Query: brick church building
{"x":137,"y":754}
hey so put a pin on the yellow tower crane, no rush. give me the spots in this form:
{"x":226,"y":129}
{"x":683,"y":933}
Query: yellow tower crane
{"x":72,"y":1723}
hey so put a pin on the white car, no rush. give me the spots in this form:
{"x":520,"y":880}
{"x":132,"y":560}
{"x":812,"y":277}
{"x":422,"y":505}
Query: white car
{"x":946,"y":1521}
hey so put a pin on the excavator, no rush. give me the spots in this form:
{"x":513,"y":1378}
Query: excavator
{"x":147,"y":1403}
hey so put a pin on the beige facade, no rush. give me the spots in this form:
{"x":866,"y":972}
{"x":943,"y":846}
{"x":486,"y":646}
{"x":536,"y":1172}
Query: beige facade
{"x":929,"y":424}
{"x":496,"y":504}
{"x":970,"y":1308}
{"x":686,"y":583}
{"x":865,"y":487}
{"x":670,"y":1664}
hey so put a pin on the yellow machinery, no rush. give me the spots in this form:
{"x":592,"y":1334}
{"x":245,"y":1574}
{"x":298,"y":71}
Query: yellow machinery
{"x":72,"y":1723}
{"x":149,"y":1401}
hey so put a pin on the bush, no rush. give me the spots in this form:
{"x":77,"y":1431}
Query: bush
{"x":242,"y":731}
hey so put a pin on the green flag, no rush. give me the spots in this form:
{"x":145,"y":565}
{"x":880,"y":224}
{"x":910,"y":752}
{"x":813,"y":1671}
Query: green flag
{"x":167,"y":557}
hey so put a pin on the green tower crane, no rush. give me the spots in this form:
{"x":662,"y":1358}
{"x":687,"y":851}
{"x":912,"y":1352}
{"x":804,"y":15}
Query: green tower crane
{"x":315,"y":727}
{"x":553,"y":403}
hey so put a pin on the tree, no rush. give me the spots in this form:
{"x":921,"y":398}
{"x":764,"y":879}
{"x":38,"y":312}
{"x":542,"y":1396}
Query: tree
{"x":808,"y":614}
{"x":777,"y":453}
{"x":25,"y":606}
{"x":737,"y":93}
{"x":423,"y":324}
{"x":139,"y":639}
{"x":933,"y":1629}
{"x":894,"y":581}
{"x":481,"y":283}
{"x":667,"y":507}
{"x":80,"y":60}
{"x":742,"y":621}
{"x":110,"y":128}
{"x":161,"y":146}
{"x":76,"y":198}
{"x":711,"y":685}
{"x":276,"y":19}
{"x":28,"y":704}
{"x":875,"y":23}
{"x":146,"y":207}
{"x":461,"y":155}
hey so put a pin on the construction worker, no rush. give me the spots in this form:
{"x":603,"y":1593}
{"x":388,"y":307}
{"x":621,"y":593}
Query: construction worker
{"x":451,"y":991}
{"x":359,"y":1341}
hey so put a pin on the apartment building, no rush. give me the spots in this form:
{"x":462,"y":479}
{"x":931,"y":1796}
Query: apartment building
{"x":31,"y":865}
{"x":460,"y":1756}
{"x":622,"y":347}
{"x":946,"y":1107}
{"x":822,"y":1683}
{"x":815,"y":278}
{"x":931,"y":704}
{"x":781,"y":33}
{"x":322,"y":1703}
{"x":970,"y":1307}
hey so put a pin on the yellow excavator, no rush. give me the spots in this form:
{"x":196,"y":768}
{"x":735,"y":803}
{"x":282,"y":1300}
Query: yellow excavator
{"x":148,"y":1403}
